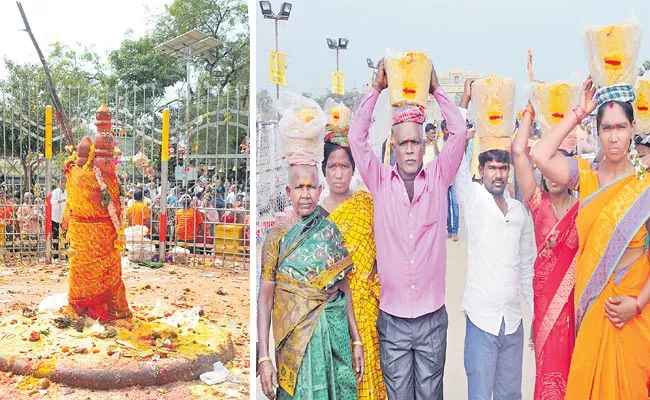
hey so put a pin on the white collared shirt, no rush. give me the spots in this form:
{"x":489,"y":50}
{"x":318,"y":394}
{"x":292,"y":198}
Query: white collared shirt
{"x":501,"y":255}
{"x":57,"y":208}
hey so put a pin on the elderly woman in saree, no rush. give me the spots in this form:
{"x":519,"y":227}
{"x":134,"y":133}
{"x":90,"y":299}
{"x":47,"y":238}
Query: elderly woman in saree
{"x":554,"y":210}
{"x":304,"y":291}
{"x":612,"y":290}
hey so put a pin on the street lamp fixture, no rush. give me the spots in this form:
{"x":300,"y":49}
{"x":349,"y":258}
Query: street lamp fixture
{"x":267,"y":11}
{"x":341,"y":44}
{"x":285,"y":11}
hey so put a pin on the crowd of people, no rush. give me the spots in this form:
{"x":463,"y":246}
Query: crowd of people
{"x":355,"y":288}
{"x":193,"y":213}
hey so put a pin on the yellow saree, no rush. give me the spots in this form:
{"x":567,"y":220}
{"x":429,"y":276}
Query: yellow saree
{"x":355,"y":219}
{"x":608,"y":362}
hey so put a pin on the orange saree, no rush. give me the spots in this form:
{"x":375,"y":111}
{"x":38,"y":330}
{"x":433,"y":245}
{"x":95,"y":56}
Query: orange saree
{"x":608,"y":362}
{"x":95,"y":281}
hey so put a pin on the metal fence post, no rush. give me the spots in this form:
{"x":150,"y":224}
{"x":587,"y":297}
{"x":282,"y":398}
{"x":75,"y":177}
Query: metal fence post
{"x":164,"y":157}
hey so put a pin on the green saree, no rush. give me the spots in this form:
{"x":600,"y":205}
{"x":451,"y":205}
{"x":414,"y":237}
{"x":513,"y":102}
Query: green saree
{"x":313,"y":353}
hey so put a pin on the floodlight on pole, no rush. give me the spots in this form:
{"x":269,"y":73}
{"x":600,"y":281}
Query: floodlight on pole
{"x":341,"y":44}
{"x":187,"y":46}
{"x":267,"y":11}
{"x":285,"y":11}
{"x":283,"y":15}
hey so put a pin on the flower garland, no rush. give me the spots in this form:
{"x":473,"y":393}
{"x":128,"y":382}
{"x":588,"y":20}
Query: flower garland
{"x":639,"y":166}
{"x":107,"y":201}
{"x":91,"y":157}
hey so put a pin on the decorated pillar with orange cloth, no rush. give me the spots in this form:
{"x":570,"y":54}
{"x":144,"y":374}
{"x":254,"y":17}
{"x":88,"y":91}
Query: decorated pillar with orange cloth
{"x":95,"y":226}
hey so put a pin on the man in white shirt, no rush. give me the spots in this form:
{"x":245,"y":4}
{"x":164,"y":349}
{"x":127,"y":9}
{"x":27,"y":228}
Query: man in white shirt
{"x":58,"y":205}
{"x":500,"y":270}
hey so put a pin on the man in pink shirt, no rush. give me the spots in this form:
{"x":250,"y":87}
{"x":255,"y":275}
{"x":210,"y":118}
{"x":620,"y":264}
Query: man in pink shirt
{"x":410,"y":233}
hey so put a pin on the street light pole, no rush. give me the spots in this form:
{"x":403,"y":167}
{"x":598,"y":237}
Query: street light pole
{"x":283,"y":15}
{"x":337,"y":59}
{"x":277,"y":86}
{"x":341,"y":44}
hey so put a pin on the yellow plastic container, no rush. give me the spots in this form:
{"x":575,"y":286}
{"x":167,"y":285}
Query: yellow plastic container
{"x":612,"y":53}
{"x":642,"y":107}
{"x":409,"y":78}
{"x":493,"y":103}
{"x":553,"y":102}
{"x":229,"y":238}
{"x":339,"y":115}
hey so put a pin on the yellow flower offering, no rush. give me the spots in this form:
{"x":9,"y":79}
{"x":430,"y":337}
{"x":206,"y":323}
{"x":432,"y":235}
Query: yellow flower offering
{"x":552,"y":102}
{"x":409,"y":78}
{"x":612,"y":53}
{"x":493,"y":105}
{"x":642,"y":107}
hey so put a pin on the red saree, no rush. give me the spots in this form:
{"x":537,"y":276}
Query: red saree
{"x":553,"y":287}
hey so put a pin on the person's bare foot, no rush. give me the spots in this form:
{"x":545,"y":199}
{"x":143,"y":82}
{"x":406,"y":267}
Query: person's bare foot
{"x":455,"y":238}
{"x":449,"y":236}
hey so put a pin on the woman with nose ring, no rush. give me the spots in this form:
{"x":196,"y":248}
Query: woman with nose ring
{"x":353,"y":214}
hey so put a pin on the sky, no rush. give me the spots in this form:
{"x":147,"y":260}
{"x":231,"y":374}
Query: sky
{"x":487,"y":36}
{"x":72,"y":22}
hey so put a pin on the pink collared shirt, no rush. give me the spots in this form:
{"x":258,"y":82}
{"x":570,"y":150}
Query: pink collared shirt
{"x":410,"y":236}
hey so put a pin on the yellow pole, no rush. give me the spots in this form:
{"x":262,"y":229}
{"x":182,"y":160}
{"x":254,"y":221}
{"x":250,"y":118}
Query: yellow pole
{"x":48,"y":180}
{"x":48,"y":132}
{"x":165,"y":135}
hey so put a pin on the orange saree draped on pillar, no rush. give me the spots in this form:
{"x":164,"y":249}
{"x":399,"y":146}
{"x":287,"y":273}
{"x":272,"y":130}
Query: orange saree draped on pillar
{"x":608,"y":362}
{"x":95,"y":281}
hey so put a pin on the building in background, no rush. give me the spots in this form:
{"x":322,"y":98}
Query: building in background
{"x":453,"y":82}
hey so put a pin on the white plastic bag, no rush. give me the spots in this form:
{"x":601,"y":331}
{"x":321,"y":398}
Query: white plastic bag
{"x":53,"y":302}
{"x":301,"y":126}
{"x":184,"y":318}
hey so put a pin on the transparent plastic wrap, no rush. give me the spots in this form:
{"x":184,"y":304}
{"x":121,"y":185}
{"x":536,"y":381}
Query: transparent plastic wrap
{"x":552,"y":102}
{"x":409,"y":77}
{"x":301,"y":126}
{"x":642,"y":106}
{"x":493,"y":110}
{"x":612,"y":52}
{"x":338,"y":114}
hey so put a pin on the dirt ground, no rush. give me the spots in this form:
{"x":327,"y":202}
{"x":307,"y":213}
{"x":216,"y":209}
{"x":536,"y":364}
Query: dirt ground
{"x":221,"y":291}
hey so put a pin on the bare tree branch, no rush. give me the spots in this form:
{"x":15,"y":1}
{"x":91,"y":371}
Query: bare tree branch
{"x":67,"y":130}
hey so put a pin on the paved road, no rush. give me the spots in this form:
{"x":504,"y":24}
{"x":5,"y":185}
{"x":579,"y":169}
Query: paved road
{"x":455,"y":382}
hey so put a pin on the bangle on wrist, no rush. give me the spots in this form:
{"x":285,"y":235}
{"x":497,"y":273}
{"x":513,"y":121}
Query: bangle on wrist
{"x":357,"y":343}
{"x":579,"y":113}
{"x":262,"y":359}
{"x":531,"y":112}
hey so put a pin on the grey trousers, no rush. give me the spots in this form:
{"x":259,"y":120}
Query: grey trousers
{"x":412,"y":353}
